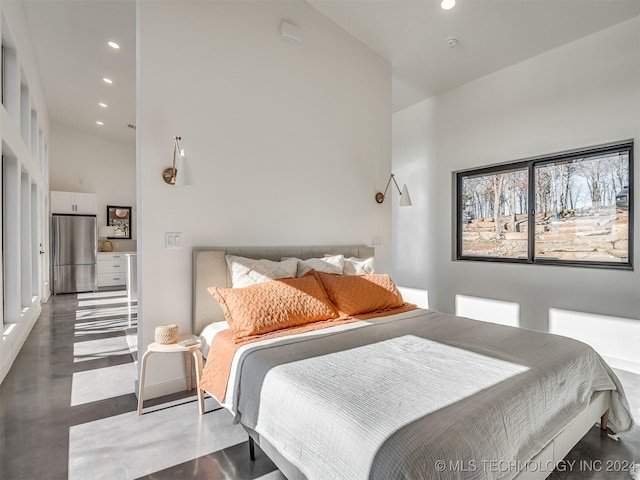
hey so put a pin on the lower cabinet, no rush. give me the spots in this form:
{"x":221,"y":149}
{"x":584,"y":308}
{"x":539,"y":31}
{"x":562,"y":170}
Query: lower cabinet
{"x":112,"y":269}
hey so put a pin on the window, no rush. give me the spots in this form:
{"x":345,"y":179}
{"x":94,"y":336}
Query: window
{"x":573,"y":208}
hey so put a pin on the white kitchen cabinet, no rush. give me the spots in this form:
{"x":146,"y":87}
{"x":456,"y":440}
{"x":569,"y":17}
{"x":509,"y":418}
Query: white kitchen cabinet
{"x":74,"y":203}
{"x":86,"y":203}
{"x":62,"y":202}
{"x":112,"y":269}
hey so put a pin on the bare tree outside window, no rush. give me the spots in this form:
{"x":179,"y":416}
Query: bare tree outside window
{"x":593,"y":229}
{"x":581,"y":213}
{"x":496,"y":214}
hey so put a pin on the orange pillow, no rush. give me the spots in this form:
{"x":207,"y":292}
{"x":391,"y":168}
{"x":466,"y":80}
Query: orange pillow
{"x":274,"y":305}
{"x":355,"y":294}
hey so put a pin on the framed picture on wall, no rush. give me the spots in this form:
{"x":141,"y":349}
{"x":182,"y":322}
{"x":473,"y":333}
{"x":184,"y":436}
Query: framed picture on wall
{"x":120,"y":219}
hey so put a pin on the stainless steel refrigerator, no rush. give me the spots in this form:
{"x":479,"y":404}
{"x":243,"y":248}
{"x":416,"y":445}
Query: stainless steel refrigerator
{"x":74,"y":247}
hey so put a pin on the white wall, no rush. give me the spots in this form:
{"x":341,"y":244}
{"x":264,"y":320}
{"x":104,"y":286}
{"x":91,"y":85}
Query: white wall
{"x":82,"y":162}
{"x":20,"y":305}
{"x":582,"y":94}
{"x":415,"y":163}
{"x":287,"y":143}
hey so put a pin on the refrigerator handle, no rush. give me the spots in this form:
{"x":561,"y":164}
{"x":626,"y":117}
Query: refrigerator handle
{"x":53,"y":241}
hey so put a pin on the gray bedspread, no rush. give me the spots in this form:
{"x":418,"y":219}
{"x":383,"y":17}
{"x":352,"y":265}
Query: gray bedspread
{"x":402,"y":396}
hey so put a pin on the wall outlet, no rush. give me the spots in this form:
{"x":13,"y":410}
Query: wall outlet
{"x":116,"y":244}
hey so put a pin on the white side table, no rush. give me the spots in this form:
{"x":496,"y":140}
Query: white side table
{"x":191,"y":350}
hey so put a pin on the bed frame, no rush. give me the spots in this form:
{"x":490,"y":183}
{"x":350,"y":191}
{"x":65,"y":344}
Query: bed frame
{"x":210,"y":269}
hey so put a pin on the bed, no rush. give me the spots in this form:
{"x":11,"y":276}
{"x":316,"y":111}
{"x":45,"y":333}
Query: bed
{"x":357,"y":401}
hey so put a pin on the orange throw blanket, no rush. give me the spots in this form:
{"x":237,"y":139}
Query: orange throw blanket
{"x":218,"y":367}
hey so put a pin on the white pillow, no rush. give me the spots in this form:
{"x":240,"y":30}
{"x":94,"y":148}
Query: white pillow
{"x":358,"y":266}
{"x":328,"y":264}
{"x":249,"y":271}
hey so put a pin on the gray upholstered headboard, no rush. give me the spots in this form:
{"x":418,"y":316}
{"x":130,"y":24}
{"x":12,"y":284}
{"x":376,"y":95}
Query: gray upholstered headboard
{"x":210,"y":269}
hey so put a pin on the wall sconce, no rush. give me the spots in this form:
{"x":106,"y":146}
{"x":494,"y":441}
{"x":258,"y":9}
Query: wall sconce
{"x":405,"y":199}
{"x":170,"y":175}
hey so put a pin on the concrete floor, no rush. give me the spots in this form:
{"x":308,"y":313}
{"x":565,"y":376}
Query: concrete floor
{"x":68,"y":410}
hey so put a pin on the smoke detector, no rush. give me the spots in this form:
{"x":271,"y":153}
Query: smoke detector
{"x":452,"y":42}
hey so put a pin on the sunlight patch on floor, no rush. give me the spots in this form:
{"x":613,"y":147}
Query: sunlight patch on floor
{"x":102,"y":326}
{"x":102,"y":383}
{"x":129,"y":446}
{"x":102,"y":301}
{"x":107,"y":293}
{"x":275,"y":475}
{"x":105,"y":312}
{"x":101,"y":348}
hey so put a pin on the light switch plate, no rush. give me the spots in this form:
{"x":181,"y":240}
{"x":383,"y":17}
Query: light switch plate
{"x":376,"y":241}
{"x":173,"y":240}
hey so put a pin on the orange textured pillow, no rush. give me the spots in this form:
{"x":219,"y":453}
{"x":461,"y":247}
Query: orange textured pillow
{"x":274,"y":305}
{"x":361,"y":293}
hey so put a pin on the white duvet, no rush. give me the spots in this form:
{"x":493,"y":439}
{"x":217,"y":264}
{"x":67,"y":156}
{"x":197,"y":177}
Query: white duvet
{"x":390,"y":397}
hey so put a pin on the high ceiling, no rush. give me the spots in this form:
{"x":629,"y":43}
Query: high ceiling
{"x":70,"y":42}
{"x":492,"y":35}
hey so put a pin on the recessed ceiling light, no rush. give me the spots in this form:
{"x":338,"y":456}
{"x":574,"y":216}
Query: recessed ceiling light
{"x":448,"y":4}
{"x":103,"y":105}
{"x":98,"y":122}
{"x":113,"y":45}
{"x":107,"y":80}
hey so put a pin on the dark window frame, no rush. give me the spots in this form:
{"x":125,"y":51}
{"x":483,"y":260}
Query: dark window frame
{"x":529,"y":165}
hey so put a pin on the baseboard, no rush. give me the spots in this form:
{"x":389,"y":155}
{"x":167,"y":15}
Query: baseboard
{"x":16,"y":340}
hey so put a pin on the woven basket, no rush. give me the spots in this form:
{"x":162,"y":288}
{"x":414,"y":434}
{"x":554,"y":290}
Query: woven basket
{"x":166,"y":334}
